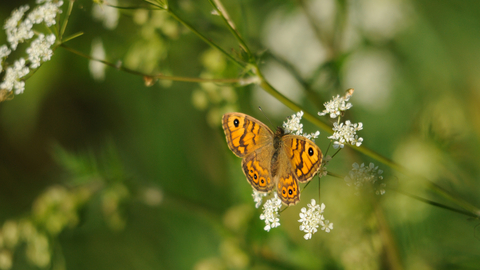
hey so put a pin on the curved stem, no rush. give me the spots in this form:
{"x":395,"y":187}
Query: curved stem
{"x":156,"y":76}
{"x":201,"y":36}
{"x":217,"y":5}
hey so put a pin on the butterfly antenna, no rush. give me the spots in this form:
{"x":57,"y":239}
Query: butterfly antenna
{"x":260,"y":108}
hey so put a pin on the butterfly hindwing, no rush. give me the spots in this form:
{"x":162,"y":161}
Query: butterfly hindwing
{"x":287,"y":184}
{"x":244,"y":133}
{"x":257,"y":169}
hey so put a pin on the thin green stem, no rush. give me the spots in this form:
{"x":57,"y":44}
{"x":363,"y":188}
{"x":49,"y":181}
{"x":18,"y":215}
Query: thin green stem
{"x":435,"y":203}
{"x":217,"y":5}
{"x":65,"y":21}
{"x":72,"y":37}
{"x":336,"y":152}
{"x":290,"y":104}
{"x":156,"y":76}
{"x":311,"y":95}
{"x":201,"y":36}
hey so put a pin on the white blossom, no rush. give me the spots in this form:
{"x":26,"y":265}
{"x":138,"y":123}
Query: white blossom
{"x":293,"y":126}
{"x":20,"y":33}
{"x":12,"y":77}
{"x":311,"y":218}
{"x":258,"y":197}
{"x":362,"y":175}
{"x":270,"y":213}
{"x":4,"y":52}
{"x":16,"y":30}
{"x":327,"y":226}
{"x":337,"y":105}
{"x":15,"y":17}
{"x":45,"y":13}
{"x":39,"y":50}
{"x":346,"y":133}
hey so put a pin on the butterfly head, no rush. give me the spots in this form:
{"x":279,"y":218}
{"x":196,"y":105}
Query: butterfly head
{"x":279,"y":132}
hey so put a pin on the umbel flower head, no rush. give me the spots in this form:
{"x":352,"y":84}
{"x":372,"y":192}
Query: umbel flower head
{"x":18,"y":29}
{"x":337,"y":105}
{"x":293,"y":126}
{"x":346,"y":133}
{"x":362,"y":175}
{"x":270,"y":212}
{"x":312,"y":218}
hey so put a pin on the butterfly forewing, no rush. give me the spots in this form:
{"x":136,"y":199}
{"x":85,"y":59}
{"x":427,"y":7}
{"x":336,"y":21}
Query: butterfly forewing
{"x":304,"y":155}
{"x":244,"y":133}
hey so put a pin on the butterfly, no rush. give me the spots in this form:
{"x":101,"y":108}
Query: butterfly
{"x":271,"y":160}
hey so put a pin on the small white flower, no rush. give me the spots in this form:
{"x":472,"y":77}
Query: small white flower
{"x":20,"y":34}
{"x":109,"y":15}
{"x":97,"y":69}
{"x":345,"y":133}
{"x":45,"y":13}
{"x":13,"y":74}
{"x":17,"y":15}
{"x":327,"y":226}
{"x":39,"y":50}
{"x":311,"y":218}
{"x":337,"y":105}
{"x":293,"y":126}
{"x":50,"y":11}
{"x":258,"y":197}
{"x":4,"y":52}
{"x":270,"y":213}
{"x":361,"y":175}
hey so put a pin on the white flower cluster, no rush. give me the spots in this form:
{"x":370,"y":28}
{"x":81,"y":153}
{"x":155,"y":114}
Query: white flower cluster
{"x":19,"y":29}
{"x":13,"y":75}
{"x":337,"y":105}
{"x":39,"y":51}
{"x":346,"y":133}
{"x":270,"y":213}
{"x":258,"y":198}
{"x":312,"y":218}
{"x":361,"y":175}
{"x":293,"y":126}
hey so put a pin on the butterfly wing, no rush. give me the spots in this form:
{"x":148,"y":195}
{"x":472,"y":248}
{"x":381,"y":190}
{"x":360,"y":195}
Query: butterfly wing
{"x":304,"y":156}
{"x":257,"y":168}
{"x":286,"y":180}
{"x":245,"y":134}
{"x":251,"y":139}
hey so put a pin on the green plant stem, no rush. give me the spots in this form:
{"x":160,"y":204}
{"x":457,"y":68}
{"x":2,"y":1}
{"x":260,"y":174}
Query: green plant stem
{"x":156,"y":76}
{"x":311,"y":95}
{"x":201,"y":36}
{"x":290,"y":104}
{"x":217,"y":5}
{"x":65,"y":21}
{"x":434,"y":203}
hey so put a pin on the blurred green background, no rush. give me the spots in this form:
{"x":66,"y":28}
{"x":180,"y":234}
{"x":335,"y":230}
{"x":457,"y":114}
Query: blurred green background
{"x":164,"y":190}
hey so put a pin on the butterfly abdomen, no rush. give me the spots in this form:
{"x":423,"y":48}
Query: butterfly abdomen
{"x":277,"y":145}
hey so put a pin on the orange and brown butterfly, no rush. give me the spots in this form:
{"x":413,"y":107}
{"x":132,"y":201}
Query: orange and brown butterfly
{"x":271,"y":160}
